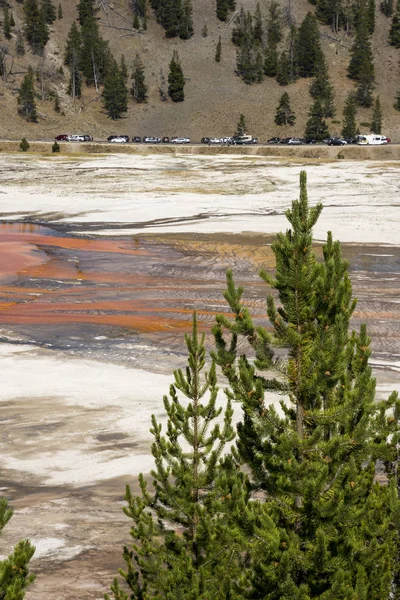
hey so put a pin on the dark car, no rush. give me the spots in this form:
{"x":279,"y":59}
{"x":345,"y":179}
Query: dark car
{"x":165,"y":140}
{"x":310,"y":140}
{"x":274,"y":140}
{"x":285,"y":140}
{"x":205,"y":140}
{"x":350,"y":140}
{"x":136,"y":139}
{"x":336,"y":142}
{"x":63,"y":137}
{"x":113,"y":137}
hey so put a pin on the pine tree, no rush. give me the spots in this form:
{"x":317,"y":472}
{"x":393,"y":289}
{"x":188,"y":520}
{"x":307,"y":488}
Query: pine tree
{"x":24,"y":145}
{"x":394,"y":33}
{"x":19,"y":44}
{"x":72,"y":58}
{"x":218,"y":50}
{"x":274,"y":36}
{"x":316,"y":126}
{"x":6,"y":23}
{"x":176,"y":80}
{"x":284,"y":114}
{"x":136,"y":22}
{"x":55,"y":147}
{"x":57,"y":105}
{"x":386,"y":7}
{"x":349,"y":129}
{"x":283,"y":69}
{"x":376,"y":123}
{"x":361,"y":66}
{"x":204,"y":31}
{"x":314,"y":460}
{"x":241,"y":126}
{"x":397,"y":103}
{"x":223,"y":7}
{"x":258,"y":31}
{"x":14,"y":569}
{"x":123,"y":68}
{"x":308,"y":49}
{"x":139,"y":88}
{"x":186,"y":25}
{"x":185,"y":543}
{"x":26,"y":98}
{"x":322,"y":88}
{"x":49,"y":11}
{"x":95,"y":56}
{"x":60,"y":12}
{"x":36,"y":29}
{"x":12,"y":20}
{"x":115,"y":93}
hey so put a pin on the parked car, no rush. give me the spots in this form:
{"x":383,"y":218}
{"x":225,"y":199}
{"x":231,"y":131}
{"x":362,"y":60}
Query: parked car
{"x":295,"y":142}
{"x":274,"y":140}
{"x":165,"y":140}
{"x":227,"y":140}
{"x":79,"y":138}
{"x":336,"y":142}
{"x":350,"y":140}
{"x":285,"y":140}
{"x":180,"y":140}
{"x":205,"y":140}
{"x":310,"y":140}
{"x":119,"y":139}
{"x":136,"y":139}
{"x":151,"y":140}
{"x":215,"y":141}
{"x":112,"y":138}
{"x":63,"y":137}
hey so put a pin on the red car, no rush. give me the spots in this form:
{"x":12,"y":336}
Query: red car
{"x":63,"y":137}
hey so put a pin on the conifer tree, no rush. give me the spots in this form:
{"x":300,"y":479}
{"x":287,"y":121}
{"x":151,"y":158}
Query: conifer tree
{"x":14,"y":569}
{"x":6,"y":23}
{"x":95,"y":55}
{"x":258,"y":30}
{"x":274,"y":36}
{"x":218,"y":50}
{"x":24,"y":145}
{"x":283,"y":69}
{"x":397,"y":102}
{"x":386,"y":7}
{"x":26,"y":98}
{"x":72,"y":58}
{"x":176,"y":80}
{"x":349,"y":129}
{"x":19,"y":44}
{"x":204,"y":31}
{"x":49,"y":11}
{"x":361,"y":66}
{"x":394,"y":33}
{"x":376,"y":123}
{"x":284,"y":114}
{"x":322,"y":88}
{"x":115,"y":93}
{"x":36,"y":29}
{"x":309,"y":49}
{"x":241,"y":126}
{"x":139,"y":87}
{"x":60,"y":12}
{"x":185,"y":543}
{"x":315,"y":459}
{"x":186,"y":25}
{"x":12,"y":20}
{"x":223,"y":7}
{"x":123,"y":68}
{"x":136,"y":22}
{"x":316,"y":126}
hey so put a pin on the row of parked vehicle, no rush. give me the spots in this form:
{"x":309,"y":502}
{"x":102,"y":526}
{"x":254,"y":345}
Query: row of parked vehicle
{"x":373,"y":139}
{"x":235,"y":140}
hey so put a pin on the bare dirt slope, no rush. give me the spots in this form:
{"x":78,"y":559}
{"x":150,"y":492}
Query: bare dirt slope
{"x":215,"y":96}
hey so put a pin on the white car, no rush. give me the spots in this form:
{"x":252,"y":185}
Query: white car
{"x":152,"y":140}
{"x":119,"y":139}
{"x":227,"y":140}
{"x":76,"y":138}
{"x":180,"y":140}
{"x":215,"y":141}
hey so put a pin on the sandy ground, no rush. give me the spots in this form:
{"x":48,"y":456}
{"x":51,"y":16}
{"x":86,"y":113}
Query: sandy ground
{"x":103,"y":261}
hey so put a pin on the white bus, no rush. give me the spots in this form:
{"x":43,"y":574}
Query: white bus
{"x":371,"y":139}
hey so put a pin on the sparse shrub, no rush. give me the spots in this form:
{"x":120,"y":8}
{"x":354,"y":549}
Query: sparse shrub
{"x":365,"y":124}
{"x":24,"y":145}
{"x":340,"y":155}
{"x":55,"y":147}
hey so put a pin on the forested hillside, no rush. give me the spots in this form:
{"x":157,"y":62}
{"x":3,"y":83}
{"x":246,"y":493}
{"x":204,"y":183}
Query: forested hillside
{"x":183,"y":67}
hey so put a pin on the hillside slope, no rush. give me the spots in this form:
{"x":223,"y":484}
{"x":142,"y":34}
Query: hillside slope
{"x":214,"y":95}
